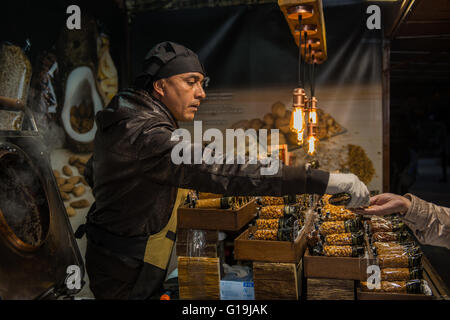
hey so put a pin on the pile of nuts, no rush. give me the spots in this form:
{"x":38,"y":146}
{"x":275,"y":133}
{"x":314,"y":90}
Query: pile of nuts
{"x":72,"y":186}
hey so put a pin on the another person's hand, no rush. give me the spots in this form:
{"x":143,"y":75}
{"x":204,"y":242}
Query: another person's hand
{"x":386,"y":203}
{"x":349,"y":183}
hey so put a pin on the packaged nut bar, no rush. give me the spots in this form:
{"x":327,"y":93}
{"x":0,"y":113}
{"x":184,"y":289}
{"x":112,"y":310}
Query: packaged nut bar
{"x":343,"y":251}
{"x":394,"y":274}
{"x":383,"y":248}
{"x":347,"y":238}
{"x":411,"y":286}
{"x":191,"y":198}
{"x":339,"y":199}
{"x":207,"y":195}
{"x":385,"y":226}
{"x":391,"y":245}
{"x":222,"y":203}
{"x":283,"y":222}
{"x":219,"y":203}
{"x":330,"y":227}
{"x":333,"y":213}
{"x":265,"y":234}
{"x":390,"y":236}
{"x":270,"y":201}
{"x":384,"y":220}
{"x":314,"y":243}
{"x":404,"y":260}
{"x":282,"y":234}
{"x":271,"y":224}
{"x":277,"y":211}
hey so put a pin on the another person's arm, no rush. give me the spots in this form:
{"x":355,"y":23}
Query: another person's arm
{"x":243,"y":179}
{"x":429,"y":222}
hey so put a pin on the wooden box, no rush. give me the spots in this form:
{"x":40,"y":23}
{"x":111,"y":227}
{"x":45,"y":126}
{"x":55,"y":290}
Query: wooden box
{"x":328,"y":289}
{"x":268,"y":251}
{"x":277,"y":281}
{"x":216,"y":219}
{"x":437,"y":286}
{"x":346,"y":268}
{"x":367,"y":295}
{"x":199,"y":278}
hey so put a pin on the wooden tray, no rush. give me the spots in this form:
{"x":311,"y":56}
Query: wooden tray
{"x":216,"y":219}
{"x":199,"y":278}
{"x":367,"y":295}
{"x":345,"y":268}
{"x":268,"y":251}
{"x":277,"y":281}
{"x":437,"y":286}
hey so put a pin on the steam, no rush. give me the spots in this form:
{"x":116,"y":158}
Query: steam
{"x":51,"y":132}
{"x":21,"y":196}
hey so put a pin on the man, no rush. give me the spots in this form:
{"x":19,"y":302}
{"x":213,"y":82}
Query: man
{"x":429,"y":222}
{"x":132,"y":226}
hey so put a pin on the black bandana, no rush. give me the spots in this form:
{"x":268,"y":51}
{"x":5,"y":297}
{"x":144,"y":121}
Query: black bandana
{"x":167,"y":59}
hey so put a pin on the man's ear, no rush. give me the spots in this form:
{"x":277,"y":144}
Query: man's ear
{"x":158,"y":87}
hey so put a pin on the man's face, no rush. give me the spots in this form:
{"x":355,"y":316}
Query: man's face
{"x":182,"y":94}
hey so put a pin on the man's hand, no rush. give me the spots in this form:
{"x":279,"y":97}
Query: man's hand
{"x":386,"y":203}
{"x":349,"y":183}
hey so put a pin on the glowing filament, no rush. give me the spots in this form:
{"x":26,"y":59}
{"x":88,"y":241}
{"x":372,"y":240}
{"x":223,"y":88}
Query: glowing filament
{"x":298,"y":121}
{"x":300,"y":137}
{"x":313,"y":116}
{"x":311,"y":145}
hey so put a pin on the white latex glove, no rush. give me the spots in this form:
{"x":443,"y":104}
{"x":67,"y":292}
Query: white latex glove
{"x":349,"y":183}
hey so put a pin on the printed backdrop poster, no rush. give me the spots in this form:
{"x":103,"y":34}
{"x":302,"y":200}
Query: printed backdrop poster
{"x":252,"y":60}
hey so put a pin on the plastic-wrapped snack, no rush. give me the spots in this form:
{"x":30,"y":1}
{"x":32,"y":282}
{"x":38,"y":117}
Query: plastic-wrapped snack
{"x":395,"y":274}
{"x":282,"y":234}
{"x":390,"y":236}
{"x":270,"y":201}
{"x":339,"y":199}
{"x":221,"y":203}
{"x":314,"y":242}
{"x":265,"y":234}
{"x":384,"y":219}
{"x":391,"y":245}
{"x":271,"y":224}
{"x":403,"y":260}
{"x":347,"y":238}
{"x":333,"y":213}
{"x":278,"y":211}
{"x":383,"y":248}
{"x":343,"y":251}
{"x":385,"y":226}
{"x":411,"y":286}
{"x":330,"y":227}
{"x":207,"y":195}
{"x":283,"y":222}
{"x":191,"y":198}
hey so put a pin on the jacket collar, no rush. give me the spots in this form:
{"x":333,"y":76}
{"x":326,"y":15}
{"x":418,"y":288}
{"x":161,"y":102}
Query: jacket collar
{"x":160,"y":105}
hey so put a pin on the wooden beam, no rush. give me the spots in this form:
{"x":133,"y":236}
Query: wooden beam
{"x":386,"y":115}
{"x":403,"y":13}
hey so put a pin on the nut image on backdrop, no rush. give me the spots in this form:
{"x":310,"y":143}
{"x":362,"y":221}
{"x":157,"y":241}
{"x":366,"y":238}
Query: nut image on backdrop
{"x":213,"y":153}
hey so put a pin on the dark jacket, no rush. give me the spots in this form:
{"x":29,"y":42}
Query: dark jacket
{"x":135,"y":181}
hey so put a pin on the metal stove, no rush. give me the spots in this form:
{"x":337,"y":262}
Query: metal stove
{"x":40,"y":258}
